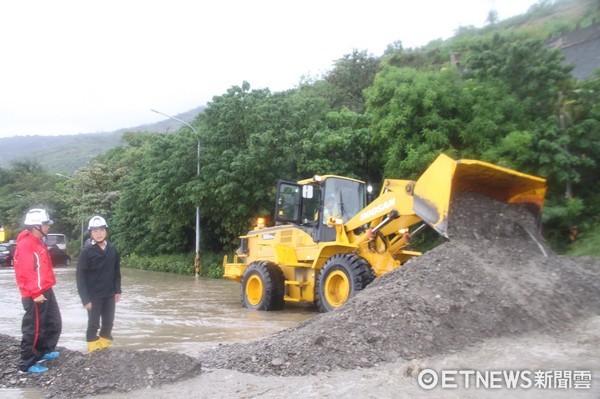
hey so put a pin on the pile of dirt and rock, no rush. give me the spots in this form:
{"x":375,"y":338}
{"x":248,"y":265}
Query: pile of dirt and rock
{"x":75,"y":374}
{"x":494,"y":277}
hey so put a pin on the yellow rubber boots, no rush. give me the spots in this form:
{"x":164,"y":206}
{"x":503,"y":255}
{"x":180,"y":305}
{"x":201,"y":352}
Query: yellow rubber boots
{"x":100,"y":343}
{"x":94,"y":345}
{"x":104,"y":342}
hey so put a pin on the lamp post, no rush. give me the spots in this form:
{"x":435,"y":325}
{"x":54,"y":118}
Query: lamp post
{"x":197,"y":259}
{"x":82,"y":195}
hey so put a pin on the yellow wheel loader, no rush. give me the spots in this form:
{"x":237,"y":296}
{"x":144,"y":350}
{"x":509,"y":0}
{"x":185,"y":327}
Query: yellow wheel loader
{"x":328,"y":243}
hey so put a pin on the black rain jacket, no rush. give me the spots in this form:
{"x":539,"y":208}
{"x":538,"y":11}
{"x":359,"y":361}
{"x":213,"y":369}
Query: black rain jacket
{"x":98,"y":272}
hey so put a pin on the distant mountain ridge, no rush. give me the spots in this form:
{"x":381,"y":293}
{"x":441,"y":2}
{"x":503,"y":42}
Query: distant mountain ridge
{"x":67,"y":153}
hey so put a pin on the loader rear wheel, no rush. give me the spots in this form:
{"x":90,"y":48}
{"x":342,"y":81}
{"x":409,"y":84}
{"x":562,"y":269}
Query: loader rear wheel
{"x":263,"y":286}
{"x":342,"y":277}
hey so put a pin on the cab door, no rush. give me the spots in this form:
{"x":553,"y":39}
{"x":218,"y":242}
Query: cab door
{"x":288,"y":205}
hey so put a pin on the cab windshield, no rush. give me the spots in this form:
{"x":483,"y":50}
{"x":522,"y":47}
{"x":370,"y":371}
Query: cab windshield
{"x":343,"y":198}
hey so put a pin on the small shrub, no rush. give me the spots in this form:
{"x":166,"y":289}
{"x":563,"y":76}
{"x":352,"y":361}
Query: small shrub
{"x":588,"y":243}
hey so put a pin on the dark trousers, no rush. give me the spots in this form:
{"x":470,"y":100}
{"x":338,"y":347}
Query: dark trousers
{"x":102,"y":308}
{"x":41,"y":328}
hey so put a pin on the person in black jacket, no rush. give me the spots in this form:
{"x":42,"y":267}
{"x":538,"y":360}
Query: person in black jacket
{"x":99,"y":284}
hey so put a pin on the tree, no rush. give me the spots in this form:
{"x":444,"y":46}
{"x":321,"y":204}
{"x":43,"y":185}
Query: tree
{"x":530,"y":70}
{"x":345,"y":148}
{"x":27,"y":167}
{"x":492,"y":17}
{"x":153,"y":214}
{"x":92,"y":190}
{"x":351,"y":75}
{"x":418,"y":114}
{"x":249,"y":139}
{"x":27,"y":186}
{"x":429,"y":57}
{"x":568,"y":153}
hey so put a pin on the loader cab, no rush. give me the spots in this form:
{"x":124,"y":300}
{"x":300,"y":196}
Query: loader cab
{"x":309,"y":203}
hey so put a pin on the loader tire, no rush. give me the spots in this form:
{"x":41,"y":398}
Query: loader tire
{"x":263,"y":286}
{"x":342,"y":277}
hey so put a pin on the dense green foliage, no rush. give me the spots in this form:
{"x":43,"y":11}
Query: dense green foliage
{"x":151,"y":214}
{"x":510,"y":100}
{"x":211,"y":264}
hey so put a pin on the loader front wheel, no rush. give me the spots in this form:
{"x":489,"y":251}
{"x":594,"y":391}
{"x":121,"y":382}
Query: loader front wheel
{"x":342,"y":277}
{"x":263,"y":286}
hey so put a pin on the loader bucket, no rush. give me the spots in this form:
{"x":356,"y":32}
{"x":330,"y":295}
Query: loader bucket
{"x":434,"y":188}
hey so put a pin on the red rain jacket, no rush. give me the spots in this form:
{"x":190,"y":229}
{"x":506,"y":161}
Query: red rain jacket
{"x":33,"y":267}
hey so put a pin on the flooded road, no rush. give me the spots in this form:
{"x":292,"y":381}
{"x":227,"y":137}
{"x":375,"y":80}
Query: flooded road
{"x":157,"y":311}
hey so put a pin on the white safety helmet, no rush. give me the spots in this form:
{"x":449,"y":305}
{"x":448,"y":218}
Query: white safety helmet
{"x":97,"y":221}
{"x":37,"y":217}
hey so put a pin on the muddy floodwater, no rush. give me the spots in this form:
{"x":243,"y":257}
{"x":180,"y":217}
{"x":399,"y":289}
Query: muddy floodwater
{"x":157,"y":311}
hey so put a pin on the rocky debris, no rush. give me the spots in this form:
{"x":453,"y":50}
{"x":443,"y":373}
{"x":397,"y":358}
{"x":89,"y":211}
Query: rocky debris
{"x":494,"y":277}
{"x":76,"y":374}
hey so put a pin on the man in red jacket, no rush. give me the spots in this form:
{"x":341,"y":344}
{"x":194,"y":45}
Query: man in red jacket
{"x":42,"y":322}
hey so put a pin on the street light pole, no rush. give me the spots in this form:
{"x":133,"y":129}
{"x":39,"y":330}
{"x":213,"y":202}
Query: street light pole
{"x":197,"y":259}
{"x":82,"y":195}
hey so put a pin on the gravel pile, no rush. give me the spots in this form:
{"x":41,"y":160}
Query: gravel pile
{"x":494,"y":277}
{"x":75,"y":374}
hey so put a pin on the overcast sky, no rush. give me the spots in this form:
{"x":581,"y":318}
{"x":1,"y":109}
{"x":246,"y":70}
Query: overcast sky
{"x":83,"y":66}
